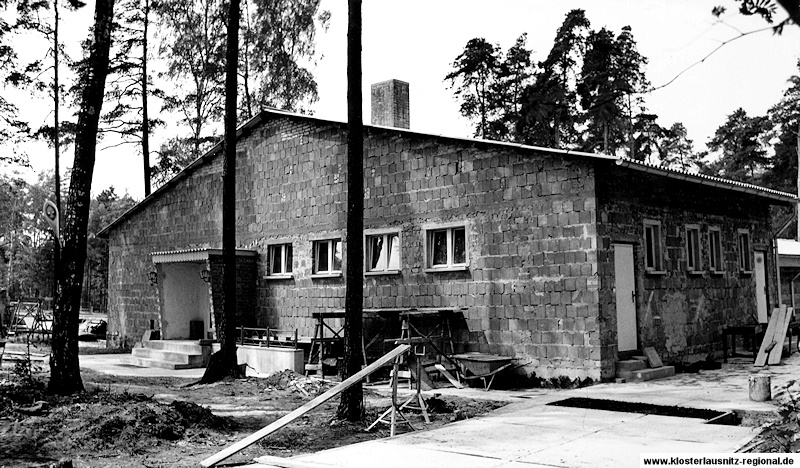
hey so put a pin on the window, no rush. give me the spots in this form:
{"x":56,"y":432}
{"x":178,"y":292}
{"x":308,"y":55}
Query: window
{"x":328,"y":257}
{"x":745,"y":264}
{"x":280,"y":259}
{"x":447,"y":248}
{"x":693,"y":262}
{"x":715,"y":250}
{"x":652,"y":247}
{"x":383,"y":252}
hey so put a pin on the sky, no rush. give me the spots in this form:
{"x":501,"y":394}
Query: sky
{"x":417,"y":40}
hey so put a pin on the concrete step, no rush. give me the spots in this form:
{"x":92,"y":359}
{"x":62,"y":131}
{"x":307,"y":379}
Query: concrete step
{"x":168,"y":356}
{"x":181,"y":346}
{"x":647,"y":374}
{"x":630,"y":365}
{"x":144,"y":362}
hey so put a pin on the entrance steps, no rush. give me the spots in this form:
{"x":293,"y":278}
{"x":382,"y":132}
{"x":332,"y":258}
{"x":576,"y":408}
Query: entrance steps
{"x":636,"y":370}
{"x":170,"y":354}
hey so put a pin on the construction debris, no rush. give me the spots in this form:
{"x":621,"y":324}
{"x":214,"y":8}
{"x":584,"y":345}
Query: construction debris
{"x":290,"y":380}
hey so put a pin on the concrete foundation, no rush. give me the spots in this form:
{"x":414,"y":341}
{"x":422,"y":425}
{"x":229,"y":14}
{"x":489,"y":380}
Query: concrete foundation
{"x":268,"y":360}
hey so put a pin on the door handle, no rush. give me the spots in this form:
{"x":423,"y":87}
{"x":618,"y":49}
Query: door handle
{"x":633,"y":296}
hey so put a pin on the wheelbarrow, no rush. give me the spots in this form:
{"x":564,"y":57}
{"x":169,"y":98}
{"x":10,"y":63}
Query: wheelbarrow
{"x":482,"y":366}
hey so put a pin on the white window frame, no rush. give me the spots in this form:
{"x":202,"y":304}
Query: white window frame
{"x":694,"y":259}
{"x":386,"y":234}
{"x":716,"y":260}
{"x":745,"y":258}
{"x":656,"y":250}
{"x":448,"y":228}
{"x":285,"y":248}
{"x":330,"y":272}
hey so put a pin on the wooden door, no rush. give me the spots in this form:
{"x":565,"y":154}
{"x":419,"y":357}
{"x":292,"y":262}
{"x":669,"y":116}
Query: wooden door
{"x":625,"y":286}
{"x":761,"y":286}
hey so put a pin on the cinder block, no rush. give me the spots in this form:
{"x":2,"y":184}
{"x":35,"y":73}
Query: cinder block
{"x":648,"y":374}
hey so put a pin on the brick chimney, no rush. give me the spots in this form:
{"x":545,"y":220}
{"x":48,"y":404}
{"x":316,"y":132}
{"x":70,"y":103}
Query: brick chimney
{"x":390,"y":104}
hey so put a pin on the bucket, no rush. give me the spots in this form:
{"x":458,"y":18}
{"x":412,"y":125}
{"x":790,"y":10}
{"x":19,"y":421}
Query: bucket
{"x":760,"y":387}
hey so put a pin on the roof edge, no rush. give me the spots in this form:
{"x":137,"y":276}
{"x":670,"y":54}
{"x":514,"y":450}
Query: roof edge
{"x":708,"y":180}
{"x":257,"y":119}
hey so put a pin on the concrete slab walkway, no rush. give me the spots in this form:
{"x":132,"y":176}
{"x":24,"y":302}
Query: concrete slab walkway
{"x":528,"y":433}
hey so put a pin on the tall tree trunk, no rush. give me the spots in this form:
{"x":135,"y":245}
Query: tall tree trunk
{"x":248,"y":102}
{"x":145,"y":120}
{"x":351,"y":406}
{"x":223,"y":363}
{"x":57,"y":149}
{"x":65,"y":375}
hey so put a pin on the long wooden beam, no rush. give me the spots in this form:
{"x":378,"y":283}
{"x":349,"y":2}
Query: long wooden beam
{"x":275,"y":425}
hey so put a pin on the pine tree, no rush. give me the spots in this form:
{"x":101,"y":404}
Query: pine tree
{"x":612,"y":77}
{"x":473,"y":76}
{"x":740,"y":142}
{"x":513,"y":76}
{"x":550,"y":113}
{"x":785,"y":117}
{"x":129,"y":87}
{"x":351,"y":405}
{"x":65,"y":375}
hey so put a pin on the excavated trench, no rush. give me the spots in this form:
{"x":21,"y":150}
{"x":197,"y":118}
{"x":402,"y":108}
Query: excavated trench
{"x":728,"y":418}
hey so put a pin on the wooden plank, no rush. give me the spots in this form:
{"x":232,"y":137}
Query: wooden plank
{"x":481,"y":357}
{"x":763,"y":352}
{"x":652,"y":357}
{"x":780,"y":336}
{"x":274,"y":426}
{"x":448,"y":376}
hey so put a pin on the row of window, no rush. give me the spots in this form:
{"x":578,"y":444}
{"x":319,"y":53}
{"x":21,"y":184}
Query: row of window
{"x":445,"y":247}
{"x":654,"y":261}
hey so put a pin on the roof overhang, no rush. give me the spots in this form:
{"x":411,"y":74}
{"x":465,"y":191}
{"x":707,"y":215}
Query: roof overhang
{"x":195,"y":255}
{"x":782,"y":197}
{"x":788,"y":253}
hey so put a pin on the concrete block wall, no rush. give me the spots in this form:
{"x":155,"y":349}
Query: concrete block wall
{"x":246,"y":274}
{"x":186,"y":216}
{"x":529,"y":290}
{"x":530,"y":236}
{"x":681,"y":314}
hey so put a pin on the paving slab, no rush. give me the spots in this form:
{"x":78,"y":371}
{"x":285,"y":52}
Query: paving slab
{"x":608,"y":450}
{"x":528,"y":433}
{"x":497,"y":439}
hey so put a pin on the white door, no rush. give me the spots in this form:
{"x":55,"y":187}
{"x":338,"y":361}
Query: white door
{"x":626,"y":298}
{"x":761,"y":287}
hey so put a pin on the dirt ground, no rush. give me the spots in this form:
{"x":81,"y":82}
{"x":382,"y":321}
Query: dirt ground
{"x":160,"y":422}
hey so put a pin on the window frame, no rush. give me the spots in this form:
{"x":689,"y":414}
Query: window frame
{"x":745,"y":258}
{"x":385,"y":233}
{"x":716,"y":263}
{"x":330,"y":272}
{"x":428,"y":244}
{"x":283,"y":274}
{"x":657,"y":251}
{"x":694,"y":260}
